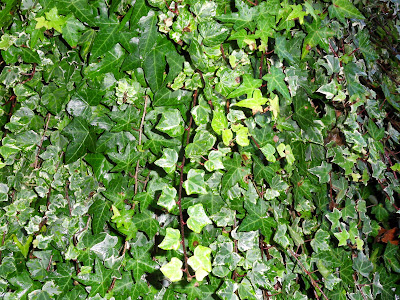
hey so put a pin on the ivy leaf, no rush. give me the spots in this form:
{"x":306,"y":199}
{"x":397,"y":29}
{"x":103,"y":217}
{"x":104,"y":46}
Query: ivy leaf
{"x":141,"y":261}
{"x":146,"y":223}
{"x":201,"y":262}
{"x":297,"y":13}
{"x":227,"y":290}
{"x":248,"y":86}
{"x":171,"y":123}
{"x":281,"y":49}
{"x":342,"y":236}
{"x":100,"y":211}
{"x":80,"y":8}
{"x":276,"y":81}
{"x":124,"y":119}
{"x":334,"y":217}
{"x":219,"y":121}
{"x":317,"y":35}
{"x":125,"y":161}
{"x":342,"y":9}
{"x":81,"y":137}
{"x":362,"y":264}
{"x":322,"y":171}
{"x":172,"y":240}
{"x":105,"y":39}
{"x":197,"y":218}
{"x":241,"y":19}
{"x":71,"y":31}
{"x":255,"y":103}
{"x":167,"y":198}
{"x":173,"y":269}
{"x":257,"y":219}
{"x":320,"y":241}
{"x":268,"y":151}
{"x":168,"y":160}
{"x":99,"y":281}
{"x":235,"y":172}
{"x":195,"y":182}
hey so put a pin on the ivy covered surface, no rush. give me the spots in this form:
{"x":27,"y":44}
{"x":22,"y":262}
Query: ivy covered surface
{"x":199,"y":149}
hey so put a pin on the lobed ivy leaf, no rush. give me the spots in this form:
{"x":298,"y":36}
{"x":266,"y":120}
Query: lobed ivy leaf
{"x":197,"y":218}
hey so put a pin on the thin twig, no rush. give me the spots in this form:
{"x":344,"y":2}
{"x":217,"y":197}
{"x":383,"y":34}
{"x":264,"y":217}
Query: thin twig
{"x":49,"y":264}
{"x":29,"y":74}
{"x":67,"y":197}
{"x":35,"y":165}
{"x":140,"y":143}
{"x":115,"y":279}
{"x":313,"y":282}
{"x":3,"y":239}
{"x":252,"y":3}
{"x":50,"y":188}
{"x":222,"y":52}
{"x":179,"y":202}
{"x":261,"y":64}
{"x":75,"y":236}
{"x":255,"y":142}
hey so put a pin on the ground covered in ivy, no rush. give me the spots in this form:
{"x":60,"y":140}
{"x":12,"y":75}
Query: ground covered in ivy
{"x":199,"y":149}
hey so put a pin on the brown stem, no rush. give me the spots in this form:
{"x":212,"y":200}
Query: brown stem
{"x":115,"y":279}
{"x":49,"y":264}
{"x":222,"y":52}
{"x":179,"y":202}
{"x":31,"y":74}
{"x":252,"y":3}
{"x":140,"y":142}
{"x":35,"y":165}
{"x":3,"y":239}
{"x":67,"y":197}
{"x":261,"y":64}
{"x":255,"y":142}
{"x":75,"y":236}
{"x":313,"y":282}
{"x":235,"y":249}
{"x":50,"y":188}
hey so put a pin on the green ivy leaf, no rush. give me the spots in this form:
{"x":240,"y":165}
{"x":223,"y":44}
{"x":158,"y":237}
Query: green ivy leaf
{"x":168,"y":160}
{"x":276,"y":81}
{"x":342,"y":9}
{"x":322,"y":172}
{"x":82,"y":138}
{"x":362,"y":264}
{"x":167,"y":198}
{"x":195,"y":182}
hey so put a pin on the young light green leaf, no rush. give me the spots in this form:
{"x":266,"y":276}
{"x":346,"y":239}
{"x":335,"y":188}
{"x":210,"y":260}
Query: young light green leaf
{"x":172,"y":240}
{"x":254,"y":103}
{"x":172,"y":270}
{"x":197,"y":218}
{"x":268,"y":150}
{"x":201,"y":262}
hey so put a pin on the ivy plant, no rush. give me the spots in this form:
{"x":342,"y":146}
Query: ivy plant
{"x":199,"y":149}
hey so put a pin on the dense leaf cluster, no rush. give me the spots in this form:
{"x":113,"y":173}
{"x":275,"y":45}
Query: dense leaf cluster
{"x":199,"y":149}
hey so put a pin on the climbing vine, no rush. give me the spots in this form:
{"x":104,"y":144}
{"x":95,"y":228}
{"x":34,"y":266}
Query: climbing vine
{"x":199,"y":149}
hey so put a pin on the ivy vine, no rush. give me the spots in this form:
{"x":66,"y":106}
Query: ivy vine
{"x":199,"y":149}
